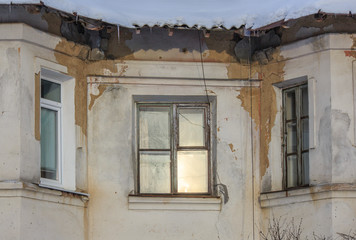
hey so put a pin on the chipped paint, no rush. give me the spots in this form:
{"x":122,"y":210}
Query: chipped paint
{"x":210,"y":91}
{"x":232,"y":147}
{"x":93,"y":97}
{"x":350,"y":54}
{"x":251,"y":102}
{"x":353,"y":47}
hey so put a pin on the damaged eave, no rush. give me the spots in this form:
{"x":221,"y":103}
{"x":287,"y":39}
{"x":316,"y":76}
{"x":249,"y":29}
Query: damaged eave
{"x":293,"y":30}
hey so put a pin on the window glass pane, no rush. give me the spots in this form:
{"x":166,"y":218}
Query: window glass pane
{"x":290,"y":105}
{"x":49,"y":145}
{"x":192,"y":171}
{"x":154,"y":127}
{"x":305,"y":133}
{"x":50,"y":91}
{"x":304,"y":91}
{"x":191,"y":127}
{"x":291,"y":137}
{"x":155,"y":176}
{"x":305,"y":157}
{"x":292,"y":171}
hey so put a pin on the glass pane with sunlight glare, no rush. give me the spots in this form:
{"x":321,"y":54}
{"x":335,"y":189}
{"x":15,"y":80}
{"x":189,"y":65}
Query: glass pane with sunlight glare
{"x":192,"y":171}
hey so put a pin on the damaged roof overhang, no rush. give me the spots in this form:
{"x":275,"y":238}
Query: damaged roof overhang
{"x":98,"y":24}
{"x":88,"y":23}
{"x":96,"y":33}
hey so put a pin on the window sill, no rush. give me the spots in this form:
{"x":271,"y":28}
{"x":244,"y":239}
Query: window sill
{"x":42,"y":193}
{"x":307,"y":194}
{"x":175,"y":203}
{"x":63,"y":190}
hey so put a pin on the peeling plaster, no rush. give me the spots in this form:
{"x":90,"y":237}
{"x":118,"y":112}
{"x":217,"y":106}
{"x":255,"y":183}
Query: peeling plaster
{"x":70,"y":55}
{"x":264,"y":106}
{"x":101,"y":89}
{"x":354,"y":42}
{"x":350,"y":54}
{"x":210,"y":91}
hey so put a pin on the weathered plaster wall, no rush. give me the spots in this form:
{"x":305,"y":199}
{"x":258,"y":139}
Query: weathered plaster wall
{"x":104,"y":130}
{"x":10,"y":147}
{"x":112,"y":161}
{"x":324,"y":207}
{"x":48,"y":219}
{"x":28,"y":211}
{"x":10,"y":212}
{"x":343,"y":110}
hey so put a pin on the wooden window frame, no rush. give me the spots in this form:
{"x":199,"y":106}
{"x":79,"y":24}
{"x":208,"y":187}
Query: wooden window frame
{"x":301,"y":182}
{"x":174,"y":146}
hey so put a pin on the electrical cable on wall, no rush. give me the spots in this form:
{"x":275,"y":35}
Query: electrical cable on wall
{"x":202,"y":66}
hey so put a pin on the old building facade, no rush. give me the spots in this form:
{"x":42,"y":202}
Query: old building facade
{"x":174,"y":133}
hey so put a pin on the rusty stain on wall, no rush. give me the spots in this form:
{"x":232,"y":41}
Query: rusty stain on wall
{"x":37,"y":107}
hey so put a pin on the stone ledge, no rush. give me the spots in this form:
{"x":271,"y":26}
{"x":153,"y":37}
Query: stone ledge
{"x":307,"y":194}
{"x":32,"y":191}
{"x":174,"y":203}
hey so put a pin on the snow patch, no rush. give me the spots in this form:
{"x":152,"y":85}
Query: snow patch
{"x":207,"y":13}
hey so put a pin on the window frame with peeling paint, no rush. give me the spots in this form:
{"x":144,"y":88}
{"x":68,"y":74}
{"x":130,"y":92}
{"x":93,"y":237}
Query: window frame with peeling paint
{"x":299,"y":149}
{"x":175,"y":148}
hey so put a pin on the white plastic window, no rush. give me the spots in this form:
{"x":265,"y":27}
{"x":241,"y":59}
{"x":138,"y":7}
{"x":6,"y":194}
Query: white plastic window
{"x":51,"y":132}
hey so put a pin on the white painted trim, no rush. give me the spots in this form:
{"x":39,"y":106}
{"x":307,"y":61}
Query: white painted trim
{"x":308,"y":194}
{"x":51,"y":70}
{"x":32,"y":191}
{"x":174,"y":203}
{"x":167,"y":69}
{"x":312,"y":116}
{"x":171,"y":82}
{"x":54,"y":72}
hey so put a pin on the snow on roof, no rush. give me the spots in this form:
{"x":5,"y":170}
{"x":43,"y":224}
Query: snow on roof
{"x":200,"y":13}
